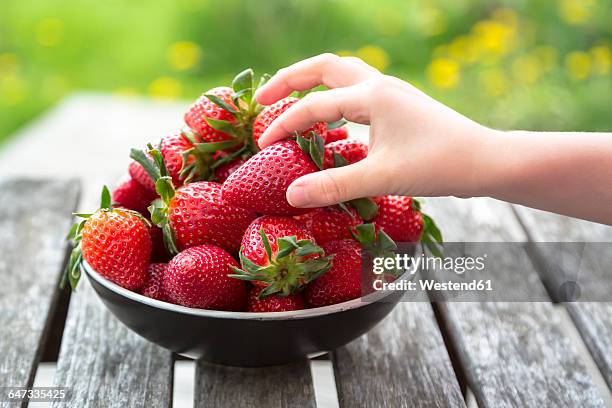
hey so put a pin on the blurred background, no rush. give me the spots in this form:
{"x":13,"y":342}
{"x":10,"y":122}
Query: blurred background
{"x":536,"y":64}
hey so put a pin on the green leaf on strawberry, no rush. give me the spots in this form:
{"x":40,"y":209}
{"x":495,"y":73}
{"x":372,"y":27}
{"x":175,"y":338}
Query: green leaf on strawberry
{"x":337,"y":124}
{"x":376,"y":242}
{"x":156,"y":168}
{"x":293,"y":266}
{"x":314,"y":146}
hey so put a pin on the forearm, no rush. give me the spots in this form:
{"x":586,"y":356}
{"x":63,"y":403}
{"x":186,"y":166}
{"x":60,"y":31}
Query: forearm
{"x":568,"y":173}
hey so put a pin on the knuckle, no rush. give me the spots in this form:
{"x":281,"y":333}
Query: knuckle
{"x":379,"y":85}
{"x":328,"y":59}
{"x":353,"y":59}
{"x":281,"y":71}
{"x":333,"y":191}
{"x":310,"y":98}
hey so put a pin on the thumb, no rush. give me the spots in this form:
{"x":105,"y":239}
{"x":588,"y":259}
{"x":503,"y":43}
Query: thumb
{"x":333,"y":186}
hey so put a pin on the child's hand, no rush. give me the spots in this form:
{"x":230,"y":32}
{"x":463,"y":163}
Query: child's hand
{"x":417,"y":145}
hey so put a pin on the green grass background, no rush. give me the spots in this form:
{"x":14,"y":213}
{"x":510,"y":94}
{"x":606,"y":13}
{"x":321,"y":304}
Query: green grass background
{"x":536,"y":64}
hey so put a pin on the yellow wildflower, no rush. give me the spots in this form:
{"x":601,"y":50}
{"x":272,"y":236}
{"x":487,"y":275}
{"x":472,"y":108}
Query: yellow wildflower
{"x":576,"y":12}
{"x":444,"y":73}
{"x":492,"y":36}
{"x":50,"y":32}
{"x":463,"y":49}
{"x":183,"y":55}
{"x":374,"y":56}
{"x":578,"y":64}
{"x":165,"y":88}
{"x":602,"y":59}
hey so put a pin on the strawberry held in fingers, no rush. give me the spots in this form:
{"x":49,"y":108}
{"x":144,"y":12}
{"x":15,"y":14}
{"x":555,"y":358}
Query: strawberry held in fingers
{"x":330,"y":223}
{"x":344,"y":152}
{"x":152,"y":287}
{"x":336,"y":131}
{"x":273,"y":303}
{"x":193,"y":214}
{"x":132,"y":195}
{"x":401,"y":218}
{"x":198,"y":277}
{"x":344,"y":280}
{"x":270,"y":113}
{"x":115,"y":242}
{"x":279,"y":255}
{"x":261,"y":183}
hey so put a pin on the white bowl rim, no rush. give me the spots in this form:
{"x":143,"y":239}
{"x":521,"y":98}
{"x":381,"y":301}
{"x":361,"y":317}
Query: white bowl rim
{"x":222,"y":314}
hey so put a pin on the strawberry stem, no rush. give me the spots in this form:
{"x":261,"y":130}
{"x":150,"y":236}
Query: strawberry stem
{"x":287,"y":271}
{"x":156,"y":168}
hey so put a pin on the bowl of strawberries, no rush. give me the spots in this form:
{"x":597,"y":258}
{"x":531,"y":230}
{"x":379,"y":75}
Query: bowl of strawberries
{"x":197,"y":249}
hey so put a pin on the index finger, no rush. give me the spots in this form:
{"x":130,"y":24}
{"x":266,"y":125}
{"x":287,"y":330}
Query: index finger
{"x":325,"y":69}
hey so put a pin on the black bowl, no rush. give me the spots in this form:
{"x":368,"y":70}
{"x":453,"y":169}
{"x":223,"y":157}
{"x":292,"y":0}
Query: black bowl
{"x":241,"y":338}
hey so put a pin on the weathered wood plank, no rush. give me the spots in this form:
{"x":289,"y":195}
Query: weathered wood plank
{"x":106,"y":364}
{"x":591,"y":272}
{"x":514,"y":354}
{"x":279,"y":386}
{"x":401,"y":362}
{"x":34,"y":218}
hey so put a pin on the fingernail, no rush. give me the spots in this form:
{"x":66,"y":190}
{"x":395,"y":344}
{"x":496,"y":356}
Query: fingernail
{"x":262,"y":139}
{"x":297,"y":195}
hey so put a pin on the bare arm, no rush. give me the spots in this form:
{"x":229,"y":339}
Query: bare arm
{"x":420,"y":147}
{"x":567,"y":173}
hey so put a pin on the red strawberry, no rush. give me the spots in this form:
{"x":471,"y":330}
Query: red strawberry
{"x":223,"y":172}
{"x":198,"y":216}
{"x":351,"y":151}
{"x":153,"y":286}
{"x":270,"y":113}
{"x":261,"y":183}
{"x":204,"y":109}
{"x":141,"y":176}
{"x":333,"y":135}
{"x":344,"y":280}
{"x":194,"y":214}
{"x":279,"y":253}
{"x":273,"y":303}
{"x":198,"y":277}
{"x":172,"y":149}
{"x":115,"y":242}
{"x":132,"y":195}
{"x":402,"y":219}
{"x":330,"y":223}
{"x":159,"y":253}
{"x":399,"y":218}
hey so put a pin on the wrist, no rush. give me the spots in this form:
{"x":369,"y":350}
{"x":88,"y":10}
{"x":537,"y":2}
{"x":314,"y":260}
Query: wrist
{"x":486,"y":162}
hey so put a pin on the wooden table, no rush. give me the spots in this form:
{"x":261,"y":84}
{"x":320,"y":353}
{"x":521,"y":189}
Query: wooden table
{"x":423,"y":355}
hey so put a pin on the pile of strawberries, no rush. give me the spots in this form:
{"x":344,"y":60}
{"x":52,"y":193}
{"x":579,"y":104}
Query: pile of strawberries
{"x":201,"y":219}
